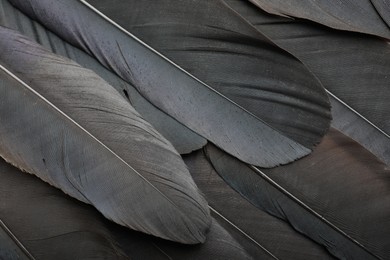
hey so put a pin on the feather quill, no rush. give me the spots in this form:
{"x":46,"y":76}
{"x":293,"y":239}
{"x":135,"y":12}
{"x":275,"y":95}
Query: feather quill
{"x":76,"y":132}
{"x":182,"y":138}
{"x":170,"y":88}
{"x":354,"y":68}
{"x":339,"y":195}
{"x":262,"y":235}
{"x":357,"y":16}
{"x":47,"y":224}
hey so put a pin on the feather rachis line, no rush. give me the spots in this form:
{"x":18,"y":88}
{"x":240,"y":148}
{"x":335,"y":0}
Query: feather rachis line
{"x":88,"y":133}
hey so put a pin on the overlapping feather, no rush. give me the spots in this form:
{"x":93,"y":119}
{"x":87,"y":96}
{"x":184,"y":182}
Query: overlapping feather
{"x":215,"y":45}
{"x":338,"y":195}
{"x":261,"y":235}
{"x":189,"y":101}
{"x":183,"y":139}
{"x":69,"y":127}
{"x":44,"y":223}
{"x":357,"y":16}
{"x":354,"y":68}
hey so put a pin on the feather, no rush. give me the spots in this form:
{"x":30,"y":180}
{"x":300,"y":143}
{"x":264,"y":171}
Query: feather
{"x":215,"y":45}
{"x":220,"y":245}
{"x":338,"y":195}
{"x":92,"y":144}
{"x":354,"y":69}
{"x":357,"y":16}
{"x":260,"y":234}
{"x":44,"y":223}
{"x":183,"y":139}
{"x":177,"y":93}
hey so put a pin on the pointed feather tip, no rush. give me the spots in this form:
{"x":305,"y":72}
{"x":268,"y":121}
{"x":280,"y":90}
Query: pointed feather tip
{"x":186,"y":222}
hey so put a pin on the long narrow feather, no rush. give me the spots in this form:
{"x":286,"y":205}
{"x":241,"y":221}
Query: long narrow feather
{"x":183,"y":139}
{"x":339,"y":195}
{"x":357,"y":15}
{"x":259,"y":233}
{"x":69,"y":127}
{"x":174,"y":91}
{"x":215,"y":45}
{"x":354,"y":68}
{"x":47,"y":224}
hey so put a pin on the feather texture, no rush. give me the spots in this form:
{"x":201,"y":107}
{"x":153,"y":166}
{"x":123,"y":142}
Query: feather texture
{"x":92,"y":144}
{"x":215,"y":45}
{"x":357,"y":16}
{"x":354,"y":68}
{"x":339,"y":195}
{"x":220,"y":245}
{"x":199,"y":107}
{"x":47,"y":224}
{"x":383,"y":8}
{"x":262,"y":235}
{"x":183,"y":139}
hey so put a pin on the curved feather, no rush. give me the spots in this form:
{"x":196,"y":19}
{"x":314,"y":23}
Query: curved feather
{"x":88,"y":141}
{"x":354,"y":69}
{"x":215,"y":45}
{"x":339,"y":195}
{"x":261,"y":234}
{"x":183,"y":139}
{"x":220,"y":245}
{"x":357,"y":15}
{"x":170,"y":88}
{"x":47,"y":224}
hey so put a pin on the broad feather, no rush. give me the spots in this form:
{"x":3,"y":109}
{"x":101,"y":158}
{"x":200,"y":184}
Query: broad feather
{"x":66,"y":125}
{"x":263,"y":236}
{"x":174,"y":91}
{"x":339,"y":195}
{"x":183,"y":139}
{"x":354,"y":68}
{"x":357,"y":16}
{"x":215,"y":45}
{"x":43,"y":223}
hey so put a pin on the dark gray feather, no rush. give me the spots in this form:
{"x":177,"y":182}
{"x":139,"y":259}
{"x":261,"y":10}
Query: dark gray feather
{"x":208,"y":40}
{"x":183,"y":139}
{"x":73,"y":130}
{"x":47,"y":224}
{"x":354,"y":68}
{"x":171,"y":89}
{"x":357,"y":15}
{"x":262,"y":235}
{"x":339,"y":195}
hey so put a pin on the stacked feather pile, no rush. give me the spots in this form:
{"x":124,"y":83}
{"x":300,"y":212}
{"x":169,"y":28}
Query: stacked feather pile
{"x":208,"y":129}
